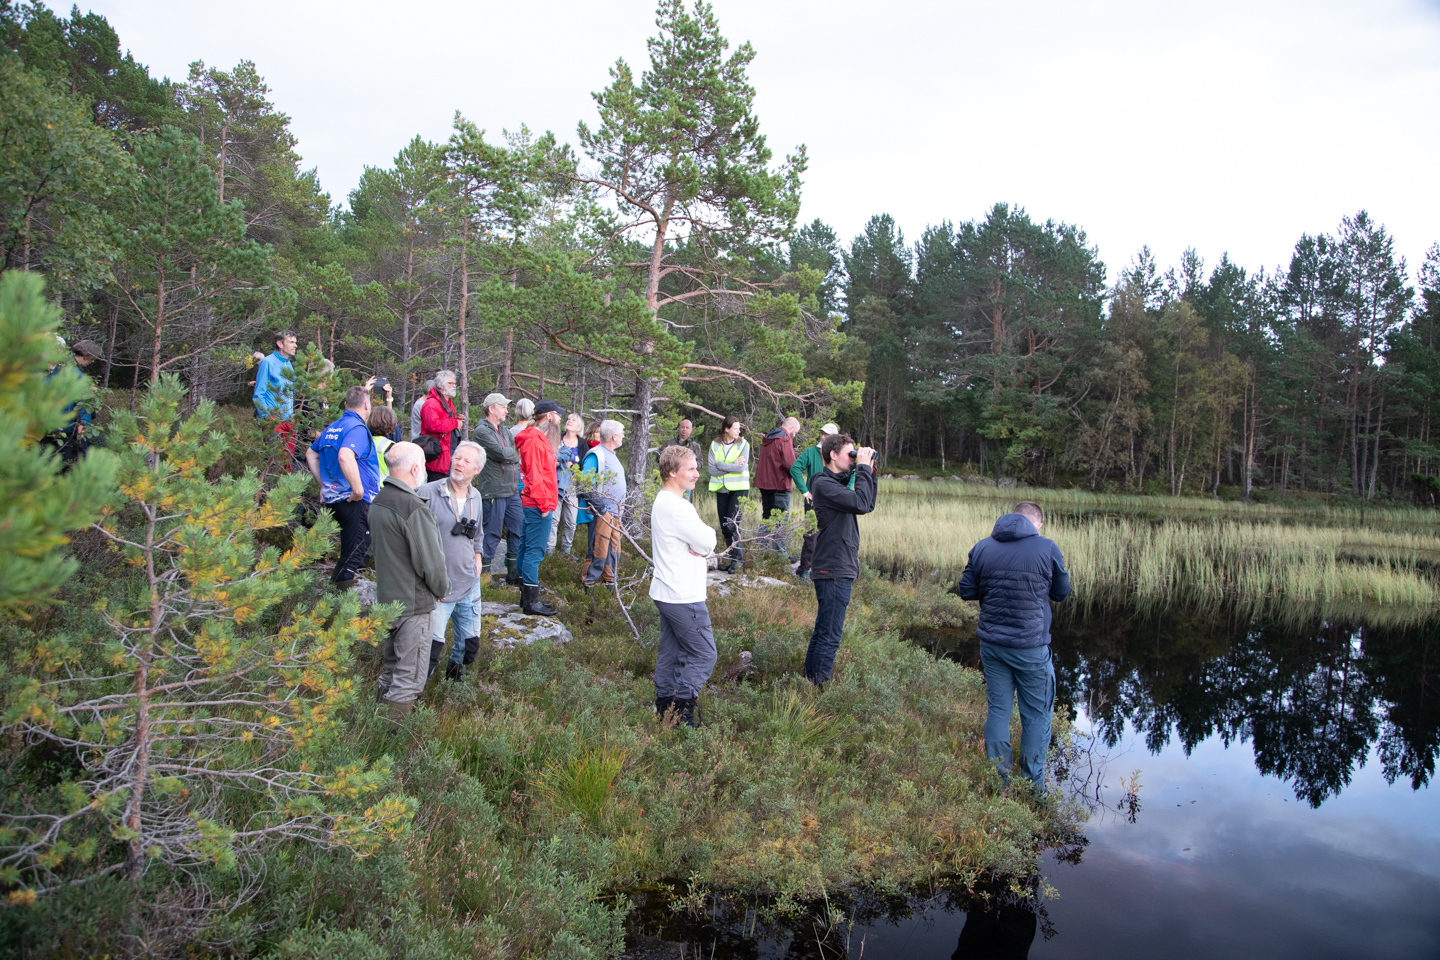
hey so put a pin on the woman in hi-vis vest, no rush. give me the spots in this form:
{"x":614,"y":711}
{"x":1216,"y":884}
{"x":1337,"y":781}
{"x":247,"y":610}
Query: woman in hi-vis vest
{"x":730,"y":482}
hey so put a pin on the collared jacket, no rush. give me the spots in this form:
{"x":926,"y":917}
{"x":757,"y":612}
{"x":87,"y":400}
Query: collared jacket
{"x":809,"y":465}
{"x":836,"y":506}
{"x":537,"y":466}
{"x":409,"y":558}
{"x":501,"y":476}
{"x":439,"y":419}
{"x":272,"y":386}
{"x":1015,"y":573}
{"x":777,"y":455}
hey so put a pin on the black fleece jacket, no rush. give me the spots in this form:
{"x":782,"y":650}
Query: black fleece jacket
{"x":837,"y":547}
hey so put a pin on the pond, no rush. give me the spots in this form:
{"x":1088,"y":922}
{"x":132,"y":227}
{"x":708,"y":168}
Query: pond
{"x":1285,"y":806}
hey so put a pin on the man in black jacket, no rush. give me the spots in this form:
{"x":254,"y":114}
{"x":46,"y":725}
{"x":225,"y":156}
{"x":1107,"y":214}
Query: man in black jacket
{"x":1015,"y":573}
{"x":836,"y":563}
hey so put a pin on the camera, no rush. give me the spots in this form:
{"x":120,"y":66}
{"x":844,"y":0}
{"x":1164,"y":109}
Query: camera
{"x":379,"y":385}
{"x":464,"y":527}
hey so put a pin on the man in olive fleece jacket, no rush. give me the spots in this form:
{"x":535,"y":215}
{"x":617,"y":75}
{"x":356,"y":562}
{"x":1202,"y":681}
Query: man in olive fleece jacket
{"x":409,"y":570}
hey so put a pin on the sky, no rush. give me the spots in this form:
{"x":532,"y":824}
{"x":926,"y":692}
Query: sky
{"x":1228,"y":126}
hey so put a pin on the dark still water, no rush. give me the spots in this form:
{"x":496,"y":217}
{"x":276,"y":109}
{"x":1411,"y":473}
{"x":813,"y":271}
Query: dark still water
{"x":1285,"y":810}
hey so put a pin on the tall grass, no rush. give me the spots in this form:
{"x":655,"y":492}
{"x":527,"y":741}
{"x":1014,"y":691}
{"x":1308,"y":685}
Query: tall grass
{"x":1268,"y":564}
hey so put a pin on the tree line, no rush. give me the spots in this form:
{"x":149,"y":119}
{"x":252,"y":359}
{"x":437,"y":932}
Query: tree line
{"x":659,"y":270}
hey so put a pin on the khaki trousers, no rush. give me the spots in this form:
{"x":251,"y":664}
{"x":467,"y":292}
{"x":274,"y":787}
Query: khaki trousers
{"x":407,"y":659}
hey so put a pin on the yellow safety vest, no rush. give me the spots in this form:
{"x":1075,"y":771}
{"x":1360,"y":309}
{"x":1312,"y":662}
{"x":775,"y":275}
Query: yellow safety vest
{"x":381,"y":445}
{"x":729,"y":481}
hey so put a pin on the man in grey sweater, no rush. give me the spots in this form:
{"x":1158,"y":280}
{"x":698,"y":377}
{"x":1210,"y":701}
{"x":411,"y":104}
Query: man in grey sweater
{"x":409,"y":570}
{"x":456,"y":505}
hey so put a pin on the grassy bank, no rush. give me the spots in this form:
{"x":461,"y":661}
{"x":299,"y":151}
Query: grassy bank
{"x":1258,"y":556}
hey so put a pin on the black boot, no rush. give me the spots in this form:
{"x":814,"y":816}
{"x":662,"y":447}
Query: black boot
{"x":512,"y":569}
{"x":437,"y":647}
{"x":453,"y":671}
{"x":530,"y":601}
{"x":662,"y":706}
{"x":472,"y":650}
{"x":687,"y":711}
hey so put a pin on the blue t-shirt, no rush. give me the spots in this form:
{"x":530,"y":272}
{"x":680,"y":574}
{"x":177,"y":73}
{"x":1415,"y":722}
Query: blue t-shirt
{"x":349,"y":431}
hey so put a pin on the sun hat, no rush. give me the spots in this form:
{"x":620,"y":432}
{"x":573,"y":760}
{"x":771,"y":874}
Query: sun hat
{"x":830,"y":429}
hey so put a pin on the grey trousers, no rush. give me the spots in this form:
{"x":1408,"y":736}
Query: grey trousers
{"x":563,"y":529}
{"x":686,"y":657}
{"x":407,"y":659}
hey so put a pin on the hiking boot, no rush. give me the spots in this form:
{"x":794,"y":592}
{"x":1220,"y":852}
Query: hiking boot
{"x":454,"y":671}
{"x":687,"y":711}
{"x":663,"y":706}
{"x":530,"y":601}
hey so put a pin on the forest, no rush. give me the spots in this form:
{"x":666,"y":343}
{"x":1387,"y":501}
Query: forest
{"x":659,"y":269}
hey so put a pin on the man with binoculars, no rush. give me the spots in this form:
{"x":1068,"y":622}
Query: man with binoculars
{"x":836,"y":563}
{"x":456,"y":505}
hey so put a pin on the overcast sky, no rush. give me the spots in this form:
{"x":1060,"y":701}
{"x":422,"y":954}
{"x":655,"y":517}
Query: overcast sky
{"x":1232,"y":125}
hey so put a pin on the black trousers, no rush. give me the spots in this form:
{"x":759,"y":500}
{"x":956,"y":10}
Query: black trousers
{"x":727,"y":505}
{"x":354,"y":519}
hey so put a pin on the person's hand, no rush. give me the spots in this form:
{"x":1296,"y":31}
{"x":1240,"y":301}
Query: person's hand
{"x":371,"y":382}
{"x":389,"y":394}
{"x":809,"y":498}
{"x":865,"y":456}
{"x":356,"y":495}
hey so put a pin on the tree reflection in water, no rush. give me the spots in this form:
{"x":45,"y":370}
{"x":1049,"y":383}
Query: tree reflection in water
{"x":1310,"y":700}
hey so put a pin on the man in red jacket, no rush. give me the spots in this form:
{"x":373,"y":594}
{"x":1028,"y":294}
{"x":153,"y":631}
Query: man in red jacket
{"x":438,"y":419}
{"x":536,"y":446}
{"x":772,"y":474}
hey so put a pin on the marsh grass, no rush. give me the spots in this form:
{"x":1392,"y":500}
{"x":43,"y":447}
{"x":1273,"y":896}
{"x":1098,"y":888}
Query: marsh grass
{"x":1271,"y":564}
{"x":584,"y":783}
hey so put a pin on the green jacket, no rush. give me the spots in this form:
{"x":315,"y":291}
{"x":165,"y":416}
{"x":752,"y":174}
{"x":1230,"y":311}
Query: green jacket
{"x":500,"y":477}
{"x":807,"y":465}
{"x":409,"y":560}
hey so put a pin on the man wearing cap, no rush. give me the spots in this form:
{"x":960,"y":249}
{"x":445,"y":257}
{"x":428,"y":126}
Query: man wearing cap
{"x":500,"y":486}
{"x":536,"y":445}
{"x":73,"y":440}
{"x":806,"y":468}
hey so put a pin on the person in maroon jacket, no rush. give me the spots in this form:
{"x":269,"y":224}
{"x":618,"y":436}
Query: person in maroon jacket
{"x":772,"y":474}
{"x":536,"y":445}
{"x":438,"y":419}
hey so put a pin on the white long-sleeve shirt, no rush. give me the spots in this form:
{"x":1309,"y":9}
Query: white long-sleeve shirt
{"x":675,"y":530}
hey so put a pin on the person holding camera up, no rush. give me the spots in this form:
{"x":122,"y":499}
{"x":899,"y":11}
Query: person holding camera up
{"x":456,"y":505}
{"x":836,"y":563}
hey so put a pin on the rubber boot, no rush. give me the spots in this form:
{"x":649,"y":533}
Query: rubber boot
{"x":530,"y":601}
{"x":512,"y":568}
{"x":472,"y":650}
{"x":687,"y":711}
{"x":437,"y":647}
{"x":454,"y":671}
{"x":398,"y":713}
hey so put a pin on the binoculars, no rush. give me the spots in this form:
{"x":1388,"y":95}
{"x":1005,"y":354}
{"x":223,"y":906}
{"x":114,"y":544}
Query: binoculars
{"x":464,"y":527}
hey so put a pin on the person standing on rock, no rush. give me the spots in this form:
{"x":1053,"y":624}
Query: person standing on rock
{"x":837,"y":544}
{"x":772,"y":476}
{"x":456,"y":505}
{"x":730,"y":482}
{"x":346,"y":464}
{"x":410,"y":571}
{"x":607,"y":493}
{"x":1014,"y":574}
{"x":679,"y":542}
{"x":803,"y":471}
{"x":536,"y":445}
{"x":500,"y":485}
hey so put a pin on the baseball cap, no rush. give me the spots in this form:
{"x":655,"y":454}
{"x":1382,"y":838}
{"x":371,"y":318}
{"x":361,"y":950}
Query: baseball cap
{"x":495,"y":398}
{"x":549,"y":406}
{"x":830,"y":429}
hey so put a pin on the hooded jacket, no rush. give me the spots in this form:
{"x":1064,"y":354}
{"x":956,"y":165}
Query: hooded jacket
{"x":777,"y":454}
{"x":537,"y":466}
{"x":1015,"y":573}
{"x":439,"y":419}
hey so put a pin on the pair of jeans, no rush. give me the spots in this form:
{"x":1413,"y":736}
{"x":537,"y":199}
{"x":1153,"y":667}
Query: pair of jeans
{"x":686,"y":655}
{"x":465,"y":614}
{"x":832,"y":598}
{"x":727,"y":507}
{"x":354,"y":519}
{"x":532,"y":543}
{"x":1026,"y":673}
{"x":563,"y":529}
{"x":501,"y":512}
{"x":776,"y":501}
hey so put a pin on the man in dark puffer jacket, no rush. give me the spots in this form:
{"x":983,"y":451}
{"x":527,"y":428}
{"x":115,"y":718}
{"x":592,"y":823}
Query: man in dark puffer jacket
{"x":1015,"y":573}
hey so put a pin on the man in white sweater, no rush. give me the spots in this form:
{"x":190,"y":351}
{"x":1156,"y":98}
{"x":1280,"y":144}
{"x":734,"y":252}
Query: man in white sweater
{"x":680,"y":541}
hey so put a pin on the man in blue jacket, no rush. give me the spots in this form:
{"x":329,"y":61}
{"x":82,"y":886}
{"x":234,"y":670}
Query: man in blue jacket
{"x":1015,"y":573}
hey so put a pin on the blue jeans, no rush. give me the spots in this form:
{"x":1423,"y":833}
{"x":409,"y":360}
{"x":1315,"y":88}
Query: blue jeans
{"x":532,"y":544}
{"x":466,"y":614}
{"x":502,"y":512}
{"x":1028,"y":673}
{"x":833,"y":597}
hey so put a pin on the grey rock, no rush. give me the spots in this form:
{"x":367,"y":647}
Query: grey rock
{"x":510,"y":628}
{"x":725,"y":583}
{"x":1007,"y":483}
{"x":911,"y":476}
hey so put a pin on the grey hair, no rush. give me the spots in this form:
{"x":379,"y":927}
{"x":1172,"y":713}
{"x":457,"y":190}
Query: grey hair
{"x":402,"y":456}
{"x":471,"y":445}
{"x":608,"y":429}
{"x":444,"y":375}
{"x":429,"y":385}
{"x":524,"y":408}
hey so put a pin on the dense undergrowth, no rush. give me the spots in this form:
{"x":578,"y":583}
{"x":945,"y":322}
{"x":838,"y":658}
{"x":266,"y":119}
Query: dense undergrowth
{"x":543,"y":785}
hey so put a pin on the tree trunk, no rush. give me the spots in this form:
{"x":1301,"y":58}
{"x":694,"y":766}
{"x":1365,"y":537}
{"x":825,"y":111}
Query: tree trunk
{"x":460,"y":325}
{"x":159,"y":321}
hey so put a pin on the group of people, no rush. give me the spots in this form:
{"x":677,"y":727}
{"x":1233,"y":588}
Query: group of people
{"x":435,"y":534}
